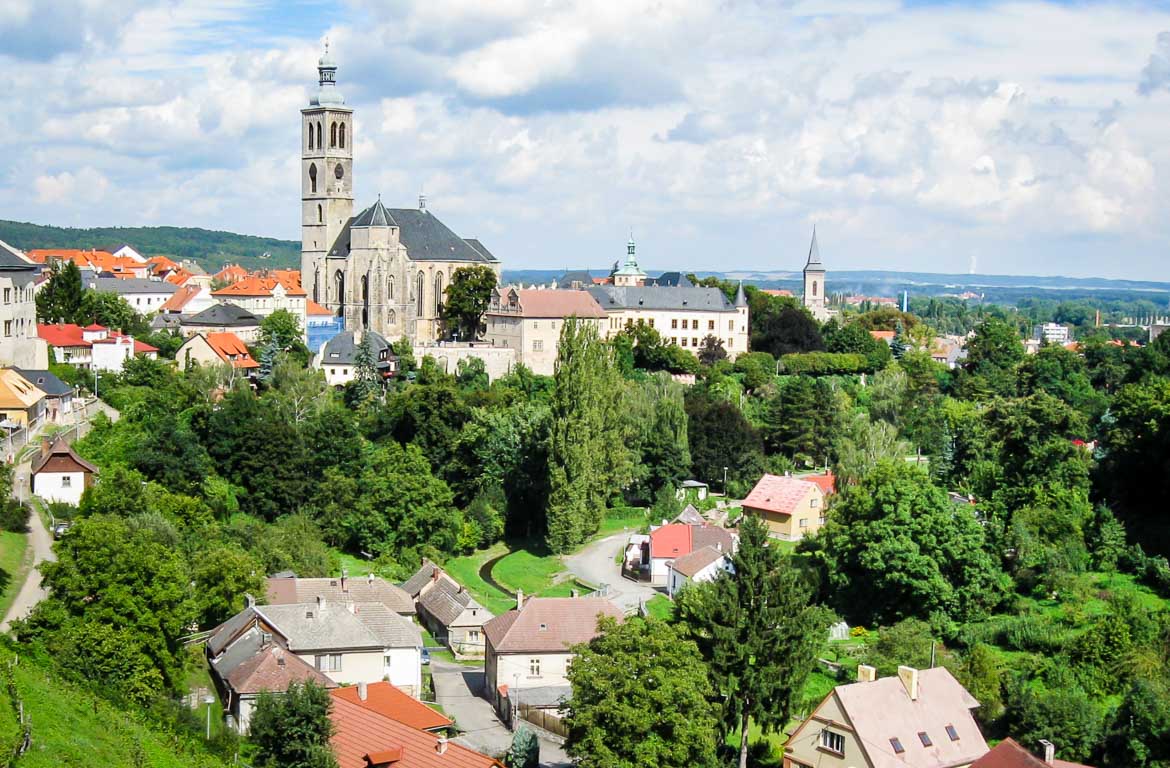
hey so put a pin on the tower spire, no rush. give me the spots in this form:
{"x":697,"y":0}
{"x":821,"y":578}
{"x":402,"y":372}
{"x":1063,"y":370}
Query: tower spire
{"x":814,"y":253}
{"x":327,"y":93}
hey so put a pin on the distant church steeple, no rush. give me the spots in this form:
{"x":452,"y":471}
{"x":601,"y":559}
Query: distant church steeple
{"x":814,"y":281}
{"x":630,"y":275}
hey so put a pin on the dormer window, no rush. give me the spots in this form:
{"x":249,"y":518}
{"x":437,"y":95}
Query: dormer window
{"x":924,"y":737}
{"x":952,"y":734}
{"x":896,"y":743}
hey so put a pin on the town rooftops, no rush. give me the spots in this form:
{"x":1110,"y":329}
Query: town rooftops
{"x":45,"y":381}
{"x":447,"y":600}
{"x":369,"y":589}
{"x":390,"y":702}
{"x":778,"y":493}
{"x":548,"y":624}
{"x":313,"y":627}
{"x":661,"y":298}
{"x":16,"y":392}
{"x":426,"y":573}
{"x":689,"y":565}
{"x":272,"y":669}
{"x":132,"y":285}
{"x":678,"y":539}
{"x":690,"y":516}
{"x":225,"y":315}
{"x":180,"y":298}
{"x":260,"y":285}
{"x":59,"y":456}
{"x":1009,"y":754}
{"x":364,"y":738}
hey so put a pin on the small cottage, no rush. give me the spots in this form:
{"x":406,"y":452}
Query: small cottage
{"x":59,"y":474}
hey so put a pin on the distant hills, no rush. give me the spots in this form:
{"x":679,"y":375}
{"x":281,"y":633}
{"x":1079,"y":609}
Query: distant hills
{"x":210,"y":248}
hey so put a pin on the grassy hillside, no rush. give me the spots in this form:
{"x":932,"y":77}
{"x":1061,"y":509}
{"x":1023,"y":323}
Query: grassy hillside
{"x":72,"y":727}
{"x":211,"y":249}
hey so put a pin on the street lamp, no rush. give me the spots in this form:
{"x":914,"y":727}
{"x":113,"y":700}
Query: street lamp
{"x":725,"y":482}
{"x":515,"y":696}
{"x":209,"y":700}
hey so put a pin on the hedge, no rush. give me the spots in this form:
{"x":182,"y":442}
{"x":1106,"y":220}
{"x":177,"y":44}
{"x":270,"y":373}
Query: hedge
{"x":824,"y":363}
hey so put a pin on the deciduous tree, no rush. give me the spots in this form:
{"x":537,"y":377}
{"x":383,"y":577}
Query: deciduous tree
{"x":467,"y":298}
{"x":292,"y":730}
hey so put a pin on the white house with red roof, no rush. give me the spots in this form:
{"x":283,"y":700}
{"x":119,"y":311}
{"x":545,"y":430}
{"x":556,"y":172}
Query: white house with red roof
{"x":702,"y":565}
{"x":673,"y":541}
{"x":791,"y":507}
{"x":93,"y":346}
{"x":265,"y":293}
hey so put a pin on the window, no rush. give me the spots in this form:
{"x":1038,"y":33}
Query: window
{"x":730,"y":343}
{"x":66,"y":481}
{"x":341,"y":135}
{"x":313,"y":178}
{"x":338,"y":172}
{"x":534,"y":667}
{"x":924,"y":737}
{"x":473,"y":636}
{"x":896,"y":743}
{"x":537,"y":345}
{"x":7,"y":295}
{"x":814,"y":290}
{"x":333,"y":135}
{"x":814,"y":503}
{"x":952,"y":734}
{"x":386,"y":660}
{"x":694,"y":342}
{"x":674,"y":340}
{"x":684,"y":341}
{"x":834,"y":742}
{"x":328,"y":662}
{"x":320,"y":134}
{"x":804,"y":522}
{"x":651,"y":321}
{"x":310,"y":135}
{"x":418,"y":299}
{"x":731,"y":325}
{"x":674,"y":322}
{"x":710,"y":325}
{"x":7,"y":327}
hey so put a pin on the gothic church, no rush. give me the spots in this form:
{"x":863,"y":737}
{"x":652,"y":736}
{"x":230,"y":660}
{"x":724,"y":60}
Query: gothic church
{"x":386,"y":268}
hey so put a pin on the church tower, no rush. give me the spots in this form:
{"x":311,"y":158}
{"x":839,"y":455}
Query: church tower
{"x":814,"y":281}
{"x":326,"y":188}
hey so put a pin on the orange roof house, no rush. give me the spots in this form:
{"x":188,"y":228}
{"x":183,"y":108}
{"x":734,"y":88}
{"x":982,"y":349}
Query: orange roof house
{"x":1009,"y":754}
{"x":364,"y":738}
{"x":216,"y":349}
{"x":791,"y":507}
{"x":390,"y":702}
{"x":313,"y":309}
{"x":230,"y":273}
{"x":255,"y":285}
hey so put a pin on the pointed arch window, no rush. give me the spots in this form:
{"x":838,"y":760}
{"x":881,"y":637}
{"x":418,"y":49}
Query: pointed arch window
{"x":438,"y":293}
{"x":310,"y":135}
{"x":339,"y":279}
{"x":320,"y":214}
{"x":814,"y":293}
{"x":313,"y":177}
{"x":316,"y":284}
{"x":333,"y":135}
{"x":390,"y":288}
{"x":341,"y":135}
{"x":419,"y":304}
{"x":365,"y":301}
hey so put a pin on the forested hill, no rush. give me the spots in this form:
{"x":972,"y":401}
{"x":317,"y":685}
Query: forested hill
{"x":210,"y":248}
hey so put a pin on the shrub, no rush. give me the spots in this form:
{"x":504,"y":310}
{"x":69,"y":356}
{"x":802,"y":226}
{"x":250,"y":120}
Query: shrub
{"x":13,"y":516}
{"x":824,"y":363}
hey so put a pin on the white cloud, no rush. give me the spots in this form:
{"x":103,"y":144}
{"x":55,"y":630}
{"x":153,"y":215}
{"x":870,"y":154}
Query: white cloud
{"x":87,"y":186}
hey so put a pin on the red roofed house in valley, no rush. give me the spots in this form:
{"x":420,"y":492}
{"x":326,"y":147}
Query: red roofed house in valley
{"x":366,"y":738}
{"x":791,"y":507}
{"x":674,"y":540}
{"x":529,"y":321}
{"x":528,"y":648}
{"x":1009,"y":754}
{"x":918,"y":719}
{"x":216,"y":349}
{"x":94,"y":346}
{"x":390,"y":702}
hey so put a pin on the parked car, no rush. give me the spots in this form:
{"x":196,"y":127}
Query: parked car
{"x":60,"y":528}
{"x":426,"y":657}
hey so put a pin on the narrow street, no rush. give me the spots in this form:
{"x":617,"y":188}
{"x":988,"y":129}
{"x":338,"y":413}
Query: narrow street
{"x":595,"y":564}
{"x":457,"y":689}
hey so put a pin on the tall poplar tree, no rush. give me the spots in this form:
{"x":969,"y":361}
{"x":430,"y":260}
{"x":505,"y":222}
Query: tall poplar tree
{"x":60,"y":300}
{"x":758,"y":632}
{"x":588,"y":456}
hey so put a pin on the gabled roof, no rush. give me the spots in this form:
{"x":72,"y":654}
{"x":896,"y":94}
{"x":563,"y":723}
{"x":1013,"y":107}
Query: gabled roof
{"x":45,"y":381}
{"x":778,"y":493}
{"x":340,"y":590}
{"x":180,"y":298}
{"x":551,"y":303}
{"x":363,"y":738}
{"x":12,"y":259}
{"x":826,"y":481}
{"x":882,"y":709}
{"x":420,"y":578}
{"x":393,"y":630}
{"x":256,"y":285}
{"x":425,"y":237}
{"x":689,"y":565}
{"x":62,"y":334}
{"x":273,"y":669}
{"x":447,"y":600}
{"x":549,"y":624}
{"x":580,"y":277}
{"x":342,"y":349}
{"x":677,"y":539}
{"x":132,"y":285}
{"x":231,"y":349}
{"x":226,"y":315}
{"x":374,"y":216}
{"x":309,"y":627}
{"x":15,"y":392}
{"x":61,"y":458}
{"x":390,"y":702}
{"x":1009,"y":754}
{"x":230,"y":273}
{"x":313,"y":308}
{"x":690,"y":516}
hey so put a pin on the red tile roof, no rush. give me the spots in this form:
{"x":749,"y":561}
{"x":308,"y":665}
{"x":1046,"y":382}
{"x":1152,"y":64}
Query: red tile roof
{"x":776,"y":292}
{"x":1009,"y":754}
{"x":553,"y":303}
{"x":362,"y":736}
{"x":548,"y":624}
{"x":882,"y":335}
{"x":313,"y":308}
{"x":180,"y":298}
{"x":672,"y":540}
{"x":254,"y":285}
{"x":231,"y":349}
{"x":825,"y":481}
{"x":273,"y":669}
{"x":779,"y":494}
{"x":62,"y":334}
{"x":390,"y":702}
{"x":231,"y":273}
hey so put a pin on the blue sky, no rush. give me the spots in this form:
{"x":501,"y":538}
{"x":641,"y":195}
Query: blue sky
{"x":1023,"y":137}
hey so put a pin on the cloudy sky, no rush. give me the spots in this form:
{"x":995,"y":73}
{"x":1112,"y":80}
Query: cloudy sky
{"x":1023,"y":137}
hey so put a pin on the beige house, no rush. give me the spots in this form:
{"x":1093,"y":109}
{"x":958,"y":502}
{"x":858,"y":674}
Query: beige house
{"x":530,"y":321}
{"x":529,"y":648}
{"x":264,"y":294}
{"x":919,"y":719}
{"x":20,"y":401}
{"x":213,"y":349}
{"x":448,"y":610}
{"x":791,"y":507}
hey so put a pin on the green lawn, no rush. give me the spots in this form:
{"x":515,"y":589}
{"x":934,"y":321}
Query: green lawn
{"x":660,"y":607}
{"x":621,"y":519}
{"x":71,"y":726}
{"x":465,"y":570}
{"x":354,"y":566}
{"x":528,"y":571}
{"x":15,"y":562}
{"x":199,"y":676}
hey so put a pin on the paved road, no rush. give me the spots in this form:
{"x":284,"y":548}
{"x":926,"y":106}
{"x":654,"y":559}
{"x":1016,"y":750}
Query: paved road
{"x":456,"y":689}
{"x":595,"y":565}
{"x":31,"y":592}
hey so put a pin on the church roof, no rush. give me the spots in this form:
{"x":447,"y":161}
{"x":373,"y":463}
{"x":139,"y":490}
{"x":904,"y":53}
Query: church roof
{"x":374,"y":216}
{"x":425,"y":237}
{"x":814,"y":254}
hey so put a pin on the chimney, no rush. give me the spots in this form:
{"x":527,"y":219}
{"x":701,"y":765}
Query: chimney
{"x":279,"y":654}
{"x":434,"y":573}
{"x":44,"y":446}
{"x":320,"y":603}
{"x":1049,"y":751}
{"x":519,"y":599}
{"x":909,"y":678}
{"x":370,"y":578}
{"x":344,"y":577}
{"x":249,"y":600}
{"x":866,"y":673}
{"x":362,"y":691}
{"x":441,"y":745}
